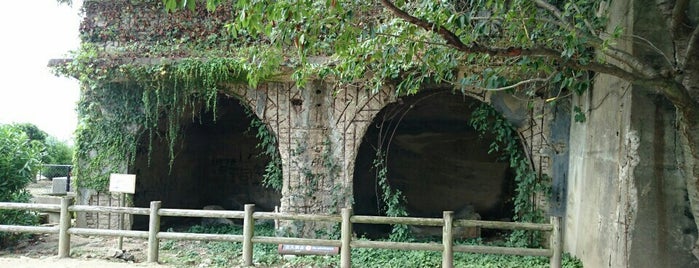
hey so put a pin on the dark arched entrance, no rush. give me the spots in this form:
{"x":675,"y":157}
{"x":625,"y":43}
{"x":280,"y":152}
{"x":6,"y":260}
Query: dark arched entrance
{"x":217,"y":162}
{"x":435,"y":158}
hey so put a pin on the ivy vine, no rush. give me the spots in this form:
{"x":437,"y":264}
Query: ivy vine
{"x":122,"y":102}
{"x":487,"y":121}
{"x":393,"y":199}
{"x":273,"y":176}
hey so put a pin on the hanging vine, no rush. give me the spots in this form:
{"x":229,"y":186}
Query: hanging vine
{"x":529,"y":184}
{"x":122,"y":102}
{"x":273,"y":176}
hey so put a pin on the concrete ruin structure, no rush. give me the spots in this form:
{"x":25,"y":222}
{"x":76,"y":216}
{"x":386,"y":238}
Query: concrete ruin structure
{"x":615,"y":178}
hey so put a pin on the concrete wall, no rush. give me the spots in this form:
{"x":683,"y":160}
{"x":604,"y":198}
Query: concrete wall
{"x":627,"y":203}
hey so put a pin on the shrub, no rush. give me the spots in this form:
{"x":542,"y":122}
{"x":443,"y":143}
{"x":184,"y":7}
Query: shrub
{"x":20,"y":158}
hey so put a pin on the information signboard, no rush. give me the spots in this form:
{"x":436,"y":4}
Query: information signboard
{"x":122,"y":183}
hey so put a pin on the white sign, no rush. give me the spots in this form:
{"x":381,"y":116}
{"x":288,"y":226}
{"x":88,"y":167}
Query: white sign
{"x":122,"y":183}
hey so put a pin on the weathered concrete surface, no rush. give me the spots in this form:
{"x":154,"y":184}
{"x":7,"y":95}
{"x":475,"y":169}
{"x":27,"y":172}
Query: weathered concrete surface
{"x":627,"y":203}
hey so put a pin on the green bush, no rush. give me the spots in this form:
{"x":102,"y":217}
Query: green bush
{"x":20,"y":158}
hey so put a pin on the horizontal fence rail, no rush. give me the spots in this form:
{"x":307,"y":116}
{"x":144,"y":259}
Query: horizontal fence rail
{"x":345,"y":243}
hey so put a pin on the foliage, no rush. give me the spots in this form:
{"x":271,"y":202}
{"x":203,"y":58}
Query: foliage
{"x":58,"y":152}
{"x":33,"y":132}
{"x":19,"y":162}
{"x":273,"y":177}
{"x":116,"y":118}
{"x":140,"y":81}
{"x":372,"y":45}
{"x":488,"y":121}
{"x":393,"y":199}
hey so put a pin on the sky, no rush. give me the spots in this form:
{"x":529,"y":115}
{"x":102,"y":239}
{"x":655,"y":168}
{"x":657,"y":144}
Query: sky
{"x":31,"y":33}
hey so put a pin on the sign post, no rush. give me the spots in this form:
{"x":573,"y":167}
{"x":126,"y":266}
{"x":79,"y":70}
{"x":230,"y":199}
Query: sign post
{"x":123,"y":184}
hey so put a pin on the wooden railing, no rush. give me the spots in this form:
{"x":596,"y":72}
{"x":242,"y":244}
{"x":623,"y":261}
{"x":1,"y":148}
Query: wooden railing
{"x":248,"y":238}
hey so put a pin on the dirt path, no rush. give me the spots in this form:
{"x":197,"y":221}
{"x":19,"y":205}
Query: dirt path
{"x":54,"y":262}
{"x":41,"y":250}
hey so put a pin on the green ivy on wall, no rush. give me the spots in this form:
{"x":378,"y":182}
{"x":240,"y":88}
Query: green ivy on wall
{"x":121,"y":103}
{"x":487,"y":121}
{"x":273,"y":176}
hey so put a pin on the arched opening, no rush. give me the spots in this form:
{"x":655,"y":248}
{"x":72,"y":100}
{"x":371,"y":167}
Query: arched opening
{"x":435,"y":158}
{"x":217,"y":163}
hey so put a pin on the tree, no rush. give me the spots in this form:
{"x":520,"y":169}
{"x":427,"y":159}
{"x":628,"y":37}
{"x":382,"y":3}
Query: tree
{"x":33,"y":132}
{"x":19,"y":162}
{"x":56,"y":151}
{"x":522,"y":46}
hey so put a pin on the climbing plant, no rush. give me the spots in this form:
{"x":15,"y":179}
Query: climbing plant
{"x":121,"y":103}
{"x":529,"y":184}
{"x":392,"y":199}
{"x":273,"y":176}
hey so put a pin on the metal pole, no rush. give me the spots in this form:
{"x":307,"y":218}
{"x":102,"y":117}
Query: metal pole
{"x":346,"y":239}
{"x":447,"y":240}
{"x":68,"y":179}
{"x":64,"y":225}
{"x":248,"y":232}
{"x":153,"y":229}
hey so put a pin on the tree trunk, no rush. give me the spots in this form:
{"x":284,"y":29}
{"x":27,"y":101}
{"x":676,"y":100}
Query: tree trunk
{"x":689,"y":127}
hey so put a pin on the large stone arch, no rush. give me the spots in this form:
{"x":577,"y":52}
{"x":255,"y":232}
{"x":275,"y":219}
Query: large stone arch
{"x":435,"y":158}
{"x":216,"y":163}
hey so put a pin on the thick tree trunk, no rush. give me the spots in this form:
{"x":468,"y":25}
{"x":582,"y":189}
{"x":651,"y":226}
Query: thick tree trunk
{"x":689,"y":126}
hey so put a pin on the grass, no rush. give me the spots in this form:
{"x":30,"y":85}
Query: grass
{"x":229,"y":254}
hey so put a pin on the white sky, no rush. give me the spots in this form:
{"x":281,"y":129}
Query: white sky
{"x":31,"y":33}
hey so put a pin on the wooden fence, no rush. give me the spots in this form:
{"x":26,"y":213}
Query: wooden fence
{"x":346,"y":242}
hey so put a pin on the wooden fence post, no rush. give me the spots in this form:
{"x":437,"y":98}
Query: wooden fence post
{"x":346,"y":239}
{"x":64,"y":225}
{"x":153,"y":229}
{"x":248,"y":233}
{"x":122,"y":201}
{"x":447,"y":240}
{"x":556,"y":242}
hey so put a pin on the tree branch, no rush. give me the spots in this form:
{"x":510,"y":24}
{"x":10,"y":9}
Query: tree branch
{"x":596,"y":42}
{"x":449,"y":36}
{"x":679,"y":21}
{"x":551,"y":9}
{"x":457,"y":44}
{"x":692,"y":54}
{"x":675,"y":16}
{"x":520,"y":83}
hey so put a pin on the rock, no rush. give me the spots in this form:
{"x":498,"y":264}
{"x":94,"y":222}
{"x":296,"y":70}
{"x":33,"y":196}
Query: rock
{"x":215,"y":221}
{"x":205,"y":263}
{"x":465,"y":213}
{"x":123,"y":255}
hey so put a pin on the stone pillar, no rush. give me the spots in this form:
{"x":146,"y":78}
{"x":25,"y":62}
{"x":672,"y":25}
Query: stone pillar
{"x":319,"y":129}
{"x":627,"y":202}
